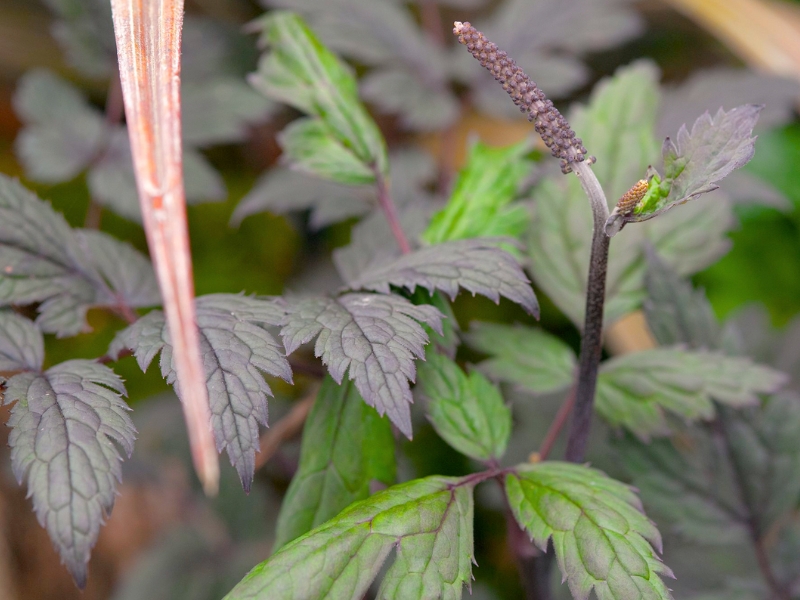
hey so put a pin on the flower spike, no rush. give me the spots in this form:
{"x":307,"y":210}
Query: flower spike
{"x":548,"y":122}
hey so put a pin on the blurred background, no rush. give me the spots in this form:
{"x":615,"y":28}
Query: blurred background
{"x":164,"y":539}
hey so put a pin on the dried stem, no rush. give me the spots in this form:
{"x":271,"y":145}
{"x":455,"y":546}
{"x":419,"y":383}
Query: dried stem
{"x":592,"y":340}
{"x":148,"y":35}
{"x":390,"y":212}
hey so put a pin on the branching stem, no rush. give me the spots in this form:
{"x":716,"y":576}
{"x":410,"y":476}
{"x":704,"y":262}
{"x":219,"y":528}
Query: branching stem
{"x":592,"y":340}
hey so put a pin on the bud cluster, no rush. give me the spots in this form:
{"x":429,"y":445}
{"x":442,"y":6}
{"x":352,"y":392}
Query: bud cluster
{"x":632,"y":197}
{"x":548,"y":122}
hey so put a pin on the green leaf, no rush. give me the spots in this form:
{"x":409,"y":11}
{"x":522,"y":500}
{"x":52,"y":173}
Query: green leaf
{"x":475,"y":265}
{"x":676,"y":312}
{"x":692,"y":166}
{"x":236,"y":346}
{"x":467,"y":411}
{"x":346,"y":447}
{"x":428,"y":520}
{"x":63,"y":428}
{"x":309,"y":147}
{"x":690,"y":489}
{"x":59,"y":138}
{"x":373,"y":336}
{"x":714,"y":489}
{"x":524,"y":356}
{"x":21,"y":344}
{"x":601,"y":537}
{"x":634,"y":390}
{"x":301,"y":72}
{"x":765,"y":446}
{"x":480,"y":205}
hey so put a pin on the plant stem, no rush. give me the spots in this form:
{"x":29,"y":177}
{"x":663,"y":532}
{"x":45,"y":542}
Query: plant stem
{"x":390,"y":212}
{"x":592,"y":340}
{"x":557,"y":425}
{"x":289,"y":427}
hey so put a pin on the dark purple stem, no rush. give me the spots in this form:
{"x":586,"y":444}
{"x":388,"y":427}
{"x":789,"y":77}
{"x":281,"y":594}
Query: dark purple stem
{"x":592,"y":340}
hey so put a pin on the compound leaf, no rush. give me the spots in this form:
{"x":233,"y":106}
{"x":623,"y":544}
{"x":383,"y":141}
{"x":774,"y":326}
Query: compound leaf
{"x":21,"y":344}
{"x":236,"y":347}
{"x":346,"y":447}
{"x":112,"y":182}
{"x":476,"y":265}
{"x":480,"y":205}
{"x":524,"y":356}
{"x":128,"y":273}
{"x":86,"y":35}
{"x":41,"y":260}
{"x":281,"y":191}
{"x":220,"y":110}
{"x":764,"y":445}
{"x":63,"y":426}
{"x":689,"y":489}
{"x":428,"y":520}
{"x":420,"y":105}
{"x":544,"y":37}
{"x":309,"y":147}
{"x":602,"y":539}
{"x":59,"y":138}
{"x":676,"y":312}
{"x":301,"y":72}
{"x":633,"y":390}
{"x":376,"y":337}
{"x":466,"y":410}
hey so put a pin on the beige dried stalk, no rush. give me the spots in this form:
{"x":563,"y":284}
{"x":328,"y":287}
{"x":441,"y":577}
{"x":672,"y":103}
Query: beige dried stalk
{"x":148,"y":34}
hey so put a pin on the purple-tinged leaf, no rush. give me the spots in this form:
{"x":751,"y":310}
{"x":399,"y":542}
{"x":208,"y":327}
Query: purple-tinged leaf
{"x":61,"y":137}
{"x":63,"y":426}
{"x":21,"y":344}
{"x":375,"y":337}
{"x":235,"y":345}
{"x":43,"y":260}
{"x":476,"y":265}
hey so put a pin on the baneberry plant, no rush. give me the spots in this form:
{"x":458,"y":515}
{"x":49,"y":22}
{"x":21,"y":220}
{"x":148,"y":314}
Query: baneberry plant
{"x":386,"y":333}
